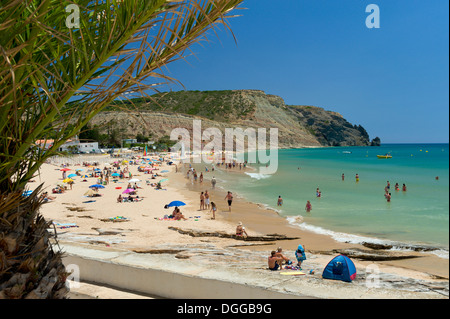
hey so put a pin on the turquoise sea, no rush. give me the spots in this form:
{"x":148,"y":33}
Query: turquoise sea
{"x":358,"y":211}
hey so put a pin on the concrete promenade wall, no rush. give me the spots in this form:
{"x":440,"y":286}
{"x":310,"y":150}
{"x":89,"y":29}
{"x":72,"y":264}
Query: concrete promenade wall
{"x":163,"y":283}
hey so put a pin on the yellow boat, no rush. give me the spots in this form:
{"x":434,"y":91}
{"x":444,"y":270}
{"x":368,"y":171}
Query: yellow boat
{"x":384,"y":156}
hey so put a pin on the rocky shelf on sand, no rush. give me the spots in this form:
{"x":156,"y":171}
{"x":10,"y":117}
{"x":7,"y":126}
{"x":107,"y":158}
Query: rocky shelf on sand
{"x":199,"y":233}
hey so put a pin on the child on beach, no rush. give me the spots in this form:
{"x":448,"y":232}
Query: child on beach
{"x":300,"y":255}
{"x":213,"y":210}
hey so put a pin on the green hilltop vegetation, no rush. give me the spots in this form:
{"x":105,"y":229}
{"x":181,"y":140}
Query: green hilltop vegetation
{"x":221,"y":106}
{"x":299,"y":125}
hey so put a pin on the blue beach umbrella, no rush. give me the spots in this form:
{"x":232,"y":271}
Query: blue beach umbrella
{"x":176,"y":203}
{"x":164,"y":171}
{"x":27,"y":193}
{"x":97,"y":186}
{"x":72,"y":175}
{"x":115,"y":174}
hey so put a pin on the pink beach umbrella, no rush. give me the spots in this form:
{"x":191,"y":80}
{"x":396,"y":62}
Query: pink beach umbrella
{"x":128,"y":190}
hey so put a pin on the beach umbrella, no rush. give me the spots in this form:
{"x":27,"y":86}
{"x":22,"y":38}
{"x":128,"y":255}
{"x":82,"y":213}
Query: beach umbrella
{"x":176,"y":203}
{"x":134,"y":180}
{"x":98,"y":170}
{"x":97,"y":186}
{"x":67,"y":180}
{"x":164,"y":180}
{"x":79,"y":169}
{"x":115,"y":174}
{"x":65,"y":169}
{"x":85,"y":176}
{"x":128,"y":190}
{"x":165,"y":171}
{"x":72,"y":175}
{"x":27,"y":193}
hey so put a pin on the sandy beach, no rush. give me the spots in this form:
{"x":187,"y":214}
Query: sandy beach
{"x":91,"y":221}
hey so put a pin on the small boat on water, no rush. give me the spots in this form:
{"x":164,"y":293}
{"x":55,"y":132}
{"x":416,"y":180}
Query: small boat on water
{"x":385,"y":156}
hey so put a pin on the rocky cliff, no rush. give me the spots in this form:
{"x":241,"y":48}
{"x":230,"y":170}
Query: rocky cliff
{"x":298,"y":126}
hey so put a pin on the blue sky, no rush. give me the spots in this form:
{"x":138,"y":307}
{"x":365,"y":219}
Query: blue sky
{"x":392,"y":80}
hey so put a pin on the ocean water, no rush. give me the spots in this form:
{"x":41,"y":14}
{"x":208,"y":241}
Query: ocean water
{"x":358,"y":211}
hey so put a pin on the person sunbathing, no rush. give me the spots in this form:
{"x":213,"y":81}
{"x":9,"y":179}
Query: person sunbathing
{"x":177,"y":215}
{"x":279,"y":253}
{"x":240,"y":230}
{"x":274,"y":261}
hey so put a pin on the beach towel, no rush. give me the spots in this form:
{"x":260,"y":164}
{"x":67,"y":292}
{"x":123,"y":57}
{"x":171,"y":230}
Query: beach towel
{"x":66,"y":225}
{"x":115,"y":219}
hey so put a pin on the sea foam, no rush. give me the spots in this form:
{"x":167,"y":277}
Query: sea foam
{"x":257,"y":176}
{"x":358,"y":239}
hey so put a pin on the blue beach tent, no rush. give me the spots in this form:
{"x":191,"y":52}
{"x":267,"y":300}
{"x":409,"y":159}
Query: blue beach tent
{"x":340,"y":268}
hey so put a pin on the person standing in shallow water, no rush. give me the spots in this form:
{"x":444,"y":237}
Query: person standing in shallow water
{"x":357,"y":178}
{"x":280,"y":201}
{"x":308,"y":206}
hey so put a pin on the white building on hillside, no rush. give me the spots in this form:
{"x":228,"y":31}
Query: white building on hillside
{"x":74,"y":145}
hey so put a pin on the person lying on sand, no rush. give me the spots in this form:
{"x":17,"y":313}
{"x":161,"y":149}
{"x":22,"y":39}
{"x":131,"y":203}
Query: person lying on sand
{"x":47,"y":198}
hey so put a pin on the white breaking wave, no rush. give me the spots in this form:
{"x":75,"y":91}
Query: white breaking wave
{"x":258,"y":176}
{"x":358,"y":239}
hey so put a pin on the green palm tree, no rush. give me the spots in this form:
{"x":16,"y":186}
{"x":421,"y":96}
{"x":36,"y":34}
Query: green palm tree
{"x":55,"y":75}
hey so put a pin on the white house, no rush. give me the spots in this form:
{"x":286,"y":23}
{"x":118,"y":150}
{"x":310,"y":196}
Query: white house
{"x":75,"y":145}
